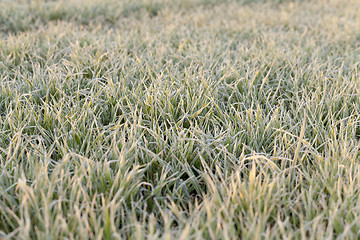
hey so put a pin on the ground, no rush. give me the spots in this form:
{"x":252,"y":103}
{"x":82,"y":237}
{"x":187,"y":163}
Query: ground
{"x":193,"y":119}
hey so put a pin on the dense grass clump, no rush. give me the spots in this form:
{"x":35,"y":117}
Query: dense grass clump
{"x":161,"y":119}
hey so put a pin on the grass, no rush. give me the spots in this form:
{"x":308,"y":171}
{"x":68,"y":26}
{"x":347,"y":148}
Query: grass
{"x":160,"y":119}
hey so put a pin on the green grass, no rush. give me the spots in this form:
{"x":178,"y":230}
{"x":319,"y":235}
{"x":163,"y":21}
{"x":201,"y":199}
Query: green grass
{"x":195,"y":119}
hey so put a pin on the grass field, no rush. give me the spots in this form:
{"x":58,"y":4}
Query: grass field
{"x":187,"y":119}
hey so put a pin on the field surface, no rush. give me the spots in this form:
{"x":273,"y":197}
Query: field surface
{"x":169,"y":119}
